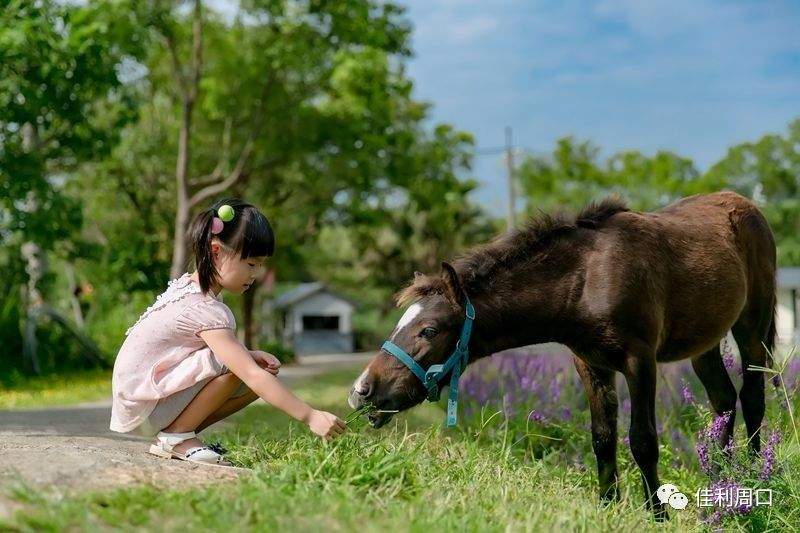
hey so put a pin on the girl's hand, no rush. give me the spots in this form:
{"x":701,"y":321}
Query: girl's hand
{"x":266,"y":360}
{"x":326,"y":425}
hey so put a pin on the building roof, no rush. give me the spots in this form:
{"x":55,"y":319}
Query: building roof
{"x":303,"y":291}
{"x":789,"y":277}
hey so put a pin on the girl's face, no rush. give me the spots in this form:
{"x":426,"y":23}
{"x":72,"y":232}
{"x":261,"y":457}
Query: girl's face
{"x":236,"y":274}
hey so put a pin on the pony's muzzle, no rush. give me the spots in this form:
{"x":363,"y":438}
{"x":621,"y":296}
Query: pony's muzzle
{"x":358,"y":397}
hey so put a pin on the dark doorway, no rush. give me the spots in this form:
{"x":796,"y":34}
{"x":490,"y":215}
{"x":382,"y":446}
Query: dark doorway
{"x":319,"y":322}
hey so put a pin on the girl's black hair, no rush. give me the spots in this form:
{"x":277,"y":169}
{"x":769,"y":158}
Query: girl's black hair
{"x":248,"y":235}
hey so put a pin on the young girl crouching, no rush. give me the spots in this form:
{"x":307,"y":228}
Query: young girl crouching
{"x":181,"y":367}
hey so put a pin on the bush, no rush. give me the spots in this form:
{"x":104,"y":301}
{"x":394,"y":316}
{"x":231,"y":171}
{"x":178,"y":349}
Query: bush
{"x":283,"y":353}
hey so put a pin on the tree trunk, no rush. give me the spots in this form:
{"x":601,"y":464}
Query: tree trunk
{"x":248,"y":303}
{"x":188,"y":88}
{"x":181,"y":219}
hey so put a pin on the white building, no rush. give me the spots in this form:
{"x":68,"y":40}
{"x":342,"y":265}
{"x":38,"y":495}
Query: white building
{"x":315,"y":320}
{"x":788,"y":321}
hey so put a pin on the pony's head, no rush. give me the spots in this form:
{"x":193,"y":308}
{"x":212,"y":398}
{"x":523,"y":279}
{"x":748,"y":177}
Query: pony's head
{"x":427,"y":331}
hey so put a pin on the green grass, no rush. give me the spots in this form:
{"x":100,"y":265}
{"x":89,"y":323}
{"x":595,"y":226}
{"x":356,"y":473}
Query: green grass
{"x":413,"y":475}
{"x":58,"y":389}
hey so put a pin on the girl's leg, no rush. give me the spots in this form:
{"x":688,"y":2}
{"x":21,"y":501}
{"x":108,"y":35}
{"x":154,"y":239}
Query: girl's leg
{"x":208,"y":401}
{"x":228,"y":408}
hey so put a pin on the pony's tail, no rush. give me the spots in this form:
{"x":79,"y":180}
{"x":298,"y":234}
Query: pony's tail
{"x":769,"y":340}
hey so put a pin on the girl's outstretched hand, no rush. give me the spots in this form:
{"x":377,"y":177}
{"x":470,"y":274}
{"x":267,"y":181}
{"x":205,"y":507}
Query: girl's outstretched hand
{"x":326,"y":425}
{"x":266,"y":360}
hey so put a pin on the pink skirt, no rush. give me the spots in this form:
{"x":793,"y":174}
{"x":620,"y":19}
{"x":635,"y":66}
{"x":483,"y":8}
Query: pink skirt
{"x":167,"y":409}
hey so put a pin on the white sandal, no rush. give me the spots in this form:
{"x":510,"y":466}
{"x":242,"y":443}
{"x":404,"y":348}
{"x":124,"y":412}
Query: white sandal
{"x":199,"y":454}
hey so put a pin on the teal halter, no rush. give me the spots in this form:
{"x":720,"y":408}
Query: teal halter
{"x":456,"y":362}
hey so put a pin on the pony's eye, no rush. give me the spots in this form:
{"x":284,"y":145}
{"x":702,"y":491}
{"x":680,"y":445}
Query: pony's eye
{"x":428,"y":333}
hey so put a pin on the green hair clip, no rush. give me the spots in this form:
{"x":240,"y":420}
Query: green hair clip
{"x":226,"y":213}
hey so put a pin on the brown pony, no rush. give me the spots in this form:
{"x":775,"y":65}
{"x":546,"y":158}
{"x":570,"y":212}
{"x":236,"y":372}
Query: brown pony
{"x":623,"y":290}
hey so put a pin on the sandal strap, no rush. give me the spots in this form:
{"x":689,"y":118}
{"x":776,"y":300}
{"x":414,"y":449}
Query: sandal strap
{"x":173,"y":439}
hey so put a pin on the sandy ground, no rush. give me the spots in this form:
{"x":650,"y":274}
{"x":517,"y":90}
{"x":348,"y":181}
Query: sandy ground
{"x":70,"y":448}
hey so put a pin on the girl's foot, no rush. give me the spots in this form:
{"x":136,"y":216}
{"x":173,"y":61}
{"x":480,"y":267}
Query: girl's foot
{"x":186,"y":447}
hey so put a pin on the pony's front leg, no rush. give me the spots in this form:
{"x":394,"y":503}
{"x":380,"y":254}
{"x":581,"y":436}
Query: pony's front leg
{"x":601,"y":393}
{"x":640,"y":374}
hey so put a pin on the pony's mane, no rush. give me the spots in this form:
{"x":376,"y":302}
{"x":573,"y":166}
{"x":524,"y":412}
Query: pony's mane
{"x":422,"y":286}
{"x":506,"y":250}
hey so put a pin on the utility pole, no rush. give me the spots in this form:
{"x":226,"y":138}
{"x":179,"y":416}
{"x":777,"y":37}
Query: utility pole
{"x":512,"y":198}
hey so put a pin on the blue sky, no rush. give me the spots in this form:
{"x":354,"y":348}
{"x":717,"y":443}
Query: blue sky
{"x":689,"y":76}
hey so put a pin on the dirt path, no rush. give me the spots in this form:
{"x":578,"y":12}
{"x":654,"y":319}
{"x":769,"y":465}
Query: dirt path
{"x":69,"y":448}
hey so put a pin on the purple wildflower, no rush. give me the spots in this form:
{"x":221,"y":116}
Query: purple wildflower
{"x":536,"y":416}
{"x":688,"y":397}
{"x":769,"y":454}
{"x":728,"y":360}
{"x":555,"y":388}
{"x":703,"y":455}
{"x":718,"y":426}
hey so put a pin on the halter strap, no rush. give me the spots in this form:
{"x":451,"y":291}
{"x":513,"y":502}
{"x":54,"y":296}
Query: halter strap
{"x":455,"y":364}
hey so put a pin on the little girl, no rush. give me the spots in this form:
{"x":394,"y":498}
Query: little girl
{"x":181,"y":367}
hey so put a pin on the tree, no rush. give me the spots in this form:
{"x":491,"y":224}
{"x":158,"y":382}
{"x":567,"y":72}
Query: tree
{"x":255,"y":82}
{"x":424,"y":217}
{"x":574,"y":175}
{"x":57,"y":68}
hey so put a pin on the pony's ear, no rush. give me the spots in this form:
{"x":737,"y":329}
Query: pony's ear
{"x":453,"y":290}
{"x":418,"y":274}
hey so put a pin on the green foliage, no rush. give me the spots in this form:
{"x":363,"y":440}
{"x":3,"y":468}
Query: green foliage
{"x":426,"y":218}
{"x":574,"y":175}
{"x":61,"y":104}
{"x":57,"y":68}
{"x":282,"y":352}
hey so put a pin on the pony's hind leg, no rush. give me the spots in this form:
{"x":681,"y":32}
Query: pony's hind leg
{"x":721,"y":392}
{"x":756,"y":323}
{"x":751,"y":396}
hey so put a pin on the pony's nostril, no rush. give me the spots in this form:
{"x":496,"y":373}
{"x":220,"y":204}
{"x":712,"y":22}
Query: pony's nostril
{"x":363,"y":389}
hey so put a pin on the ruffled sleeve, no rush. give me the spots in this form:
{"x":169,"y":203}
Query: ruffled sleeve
{"x":203,"y":316}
